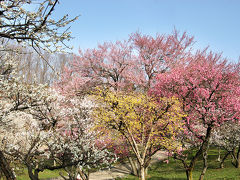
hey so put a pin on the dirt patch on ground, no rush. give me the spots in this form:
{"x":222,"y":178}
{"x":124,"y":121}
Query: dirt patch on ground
{"x":122,"y":169}
{"x":119,"y":170}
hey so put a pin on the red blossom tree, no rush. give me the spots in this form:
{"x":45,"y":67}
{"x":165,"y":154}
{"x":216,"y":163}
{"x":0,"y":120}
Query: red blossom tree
{"x":208,"y":87}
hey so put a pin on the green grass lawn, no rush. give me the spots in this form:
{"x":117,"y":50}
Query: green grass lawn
{"x":42,"y":175}
{"x":175,"y":171}
{"x":172,"y":171}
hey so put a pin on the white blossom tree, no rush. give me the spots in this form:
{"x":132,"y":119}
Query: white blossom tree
{"x":26,"y":144}
{"x":74,"y":145}
{"x":19,"y":21}
{"x":69,"y":145}
{"x":54,"y":128}
{"x":15,"y":97}
{"x":227,"y":137}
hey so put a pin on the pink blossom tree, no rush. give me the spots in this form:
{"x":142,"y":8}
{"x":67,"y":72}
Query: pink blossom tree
{"x":158,"y":54}
{"x":130,"y":65}
{"x":107,"y":65}
{"x":208,"y":87}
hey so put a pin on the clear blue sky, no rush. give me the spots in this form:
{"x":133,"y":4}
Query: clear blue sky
{"x":214,"y":23}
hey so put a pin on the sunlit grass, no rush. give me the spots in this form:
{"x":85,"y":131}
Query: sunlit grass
{"x":42,"y":175}
{"x":175,"y":171}
{"x":172,"y":171}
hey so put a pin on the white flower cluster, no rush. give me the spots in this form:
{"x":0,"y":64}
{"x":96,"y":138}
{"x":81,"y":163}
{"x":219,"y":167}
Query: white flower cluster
{"x":30,"y":22}
{"x":227,"y":136}
{"x":38,"y":125}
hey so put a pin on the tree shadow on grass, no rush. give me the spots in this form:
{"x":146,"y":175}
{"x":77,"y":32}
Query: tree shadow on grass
{"x":162,"y":178}
{"x":161,"y":171}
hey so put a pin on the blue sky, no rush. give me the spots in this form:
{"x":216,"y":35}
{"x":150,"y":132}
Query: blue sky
{"x":213,"y":23}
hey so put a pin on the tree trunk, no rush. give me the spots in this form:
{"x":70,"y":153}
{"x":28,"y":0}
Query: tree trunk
{"x":5,"y":168}
{"x":205,"y":147}
{"x":201,"y":151}
{"x":238,"y":158}
{"x":189,"y":173}
{"x":134,"y":170}
{"x":36,"y":172}
{"x":142,"y":172}
{"x":83,"y":175}
{"x":146,"y":171}
{"x":205,"y":165}
{"x":219,"y":155}
{"x":30,"y":173}
{"x":224,"y":158}
{"x":235,"y":158}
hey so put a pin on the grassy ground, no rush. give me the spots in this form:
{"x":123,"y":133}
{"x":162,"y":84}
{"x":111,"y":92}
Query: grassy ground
{"x":174,"y":170}
{"x":42,"y":175}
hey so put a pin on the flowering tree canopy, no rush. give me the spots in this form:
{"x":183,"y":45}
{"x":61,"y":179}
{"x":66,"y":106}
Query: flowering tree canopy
{"x":159,"y":54}
{"x":208,"y":87}
{"x":16,"y":97}
{"x":125,"y":66}
{"x":146,"y":125}
{"x":36,"y":28}
{"x":131,"y":64}
{"x":227,"y":138}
